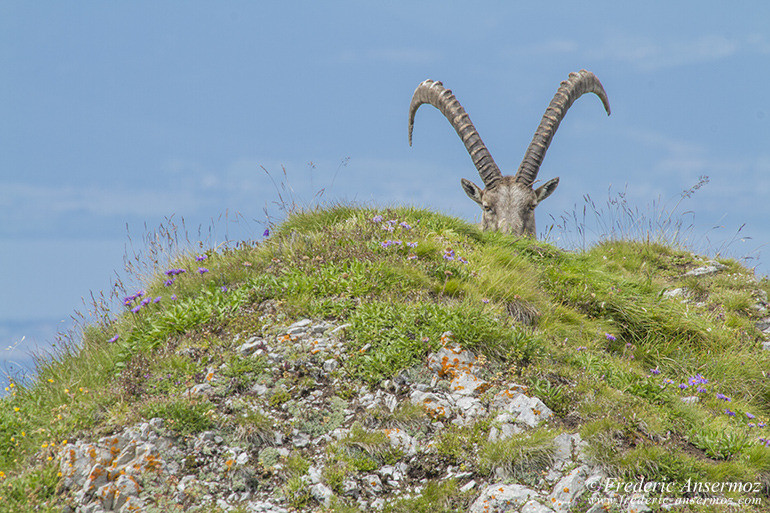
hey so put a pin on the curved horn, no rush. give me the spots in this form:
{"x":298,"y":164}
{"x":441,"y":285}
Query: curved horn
{"x":435,"y":94}
{"x":570,"y":90}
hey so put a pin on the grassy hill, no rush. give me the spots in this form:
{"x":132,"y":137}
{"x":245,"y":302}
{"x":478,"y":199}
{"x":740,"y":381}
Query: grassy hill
{"x":659,"y":370}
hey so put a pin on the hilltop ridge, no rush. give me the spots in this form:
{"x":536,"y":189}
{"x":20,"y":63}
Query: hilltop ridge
{"x":398,"y":359}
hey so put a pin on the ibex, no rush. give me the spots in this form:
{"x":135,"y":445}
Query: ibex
{"x":508,"y":202}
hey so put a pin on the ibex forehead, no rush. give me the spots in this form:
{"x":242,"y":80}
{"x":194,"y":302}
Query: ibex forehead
{"x":508,"y":190}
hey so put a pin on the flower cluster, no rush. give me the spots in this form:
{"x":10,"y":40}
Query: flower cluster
{"x":449,"y":255}
{"x":699,"y":381}
{"x":128,"y":301}
{"x":391,"y":224}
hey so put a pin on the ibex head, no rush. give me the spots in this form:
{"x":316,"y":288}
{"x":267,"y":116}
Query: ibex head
{"x":508,"y":202}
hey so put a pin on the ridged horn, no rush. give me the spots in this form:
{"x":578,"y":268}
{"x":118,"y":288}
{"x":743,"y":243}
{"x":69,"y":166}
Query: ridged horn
{"x":434,"y":93}
{"x":570,"y":90}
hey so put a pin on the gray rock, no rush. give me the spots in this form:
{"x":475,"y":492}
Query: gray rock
{"x":568,"y":488}
{"x":712,"y":267}
{"x":373,"y":482}
{"x":400,"y":439}
{"x":506,"y":430}
{"x":502,"y":497}
{"x":320,"y":328}
{"x":304,"y":323}
{"x":763,"y":325}
{"x":436,"y":405}
{"x":322,"y":493}
{"x":330,"y":365}
{"x":470,"y":485}
{"x":97,"y":478}
{"x":251,"y":346}
{"x":469,"y":407}
{"x":529,"y":411}
{"x":350,"y":488}
{"x":340,"y":329}
{"x":690,"y":399}
{"x":535,"y":507}
{"x":673,"y":293}
{"x":638,"y":504}
{"x":314,"y":474}
{"x":199,"y":389}
{"x":301,"y":440}
{"x":451,"y":360}
{"x":465,"y":383}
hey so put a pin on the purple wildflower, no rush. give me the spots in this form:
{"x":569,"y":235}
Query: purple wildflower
{"x":581,"y":348}
{"x":201,"y":258}
{"x":682,"y":386}
{"x":702,"y":390}
{"x":730,"y":413}
{"x":157,"y":299}
{"x":173,"y":297}
{"x":723,"y":397}
{"x":136,"y":309}
{"x":411,"y":244}
{"x":202,"y":270}
{"x":750,"y":416}
{"x":609,"y":337}
{"x":462,"y":260}
{"x":655,"y":371}
{"x":224,"y":288}
{"x":405,"y":225}
{"x":114,"y":339}
{"x":377,"y":219}
{"x":485,"y":300}
{"x":168,"y":283}
{"x":266,"y":233}
{"x":761,"y":424}
{"x":412,"y":257}
{"x":751,"y":424}
{"x":146,"y":301}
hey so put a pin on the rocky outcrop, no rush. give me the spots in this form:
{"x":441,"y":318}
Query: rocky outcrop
{"x":152,"y":467}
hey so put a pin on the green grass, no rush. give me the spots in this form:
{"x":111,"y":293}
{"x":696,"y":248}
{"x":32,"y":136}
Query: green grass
{"x":601,"y":327}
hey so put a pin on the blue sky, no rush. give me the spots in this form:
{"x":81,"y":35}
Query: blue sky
{"x":116,"y":115}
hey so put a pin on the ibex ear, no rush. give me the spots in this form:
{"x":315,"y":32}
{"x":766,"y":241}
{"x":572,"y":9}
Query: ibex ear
{"x":546,"y":189}
{"x":472,"y":190}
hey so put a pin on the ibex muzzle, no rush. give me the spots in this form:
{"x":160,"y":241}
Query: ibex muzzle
{"x":508,"y":202}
